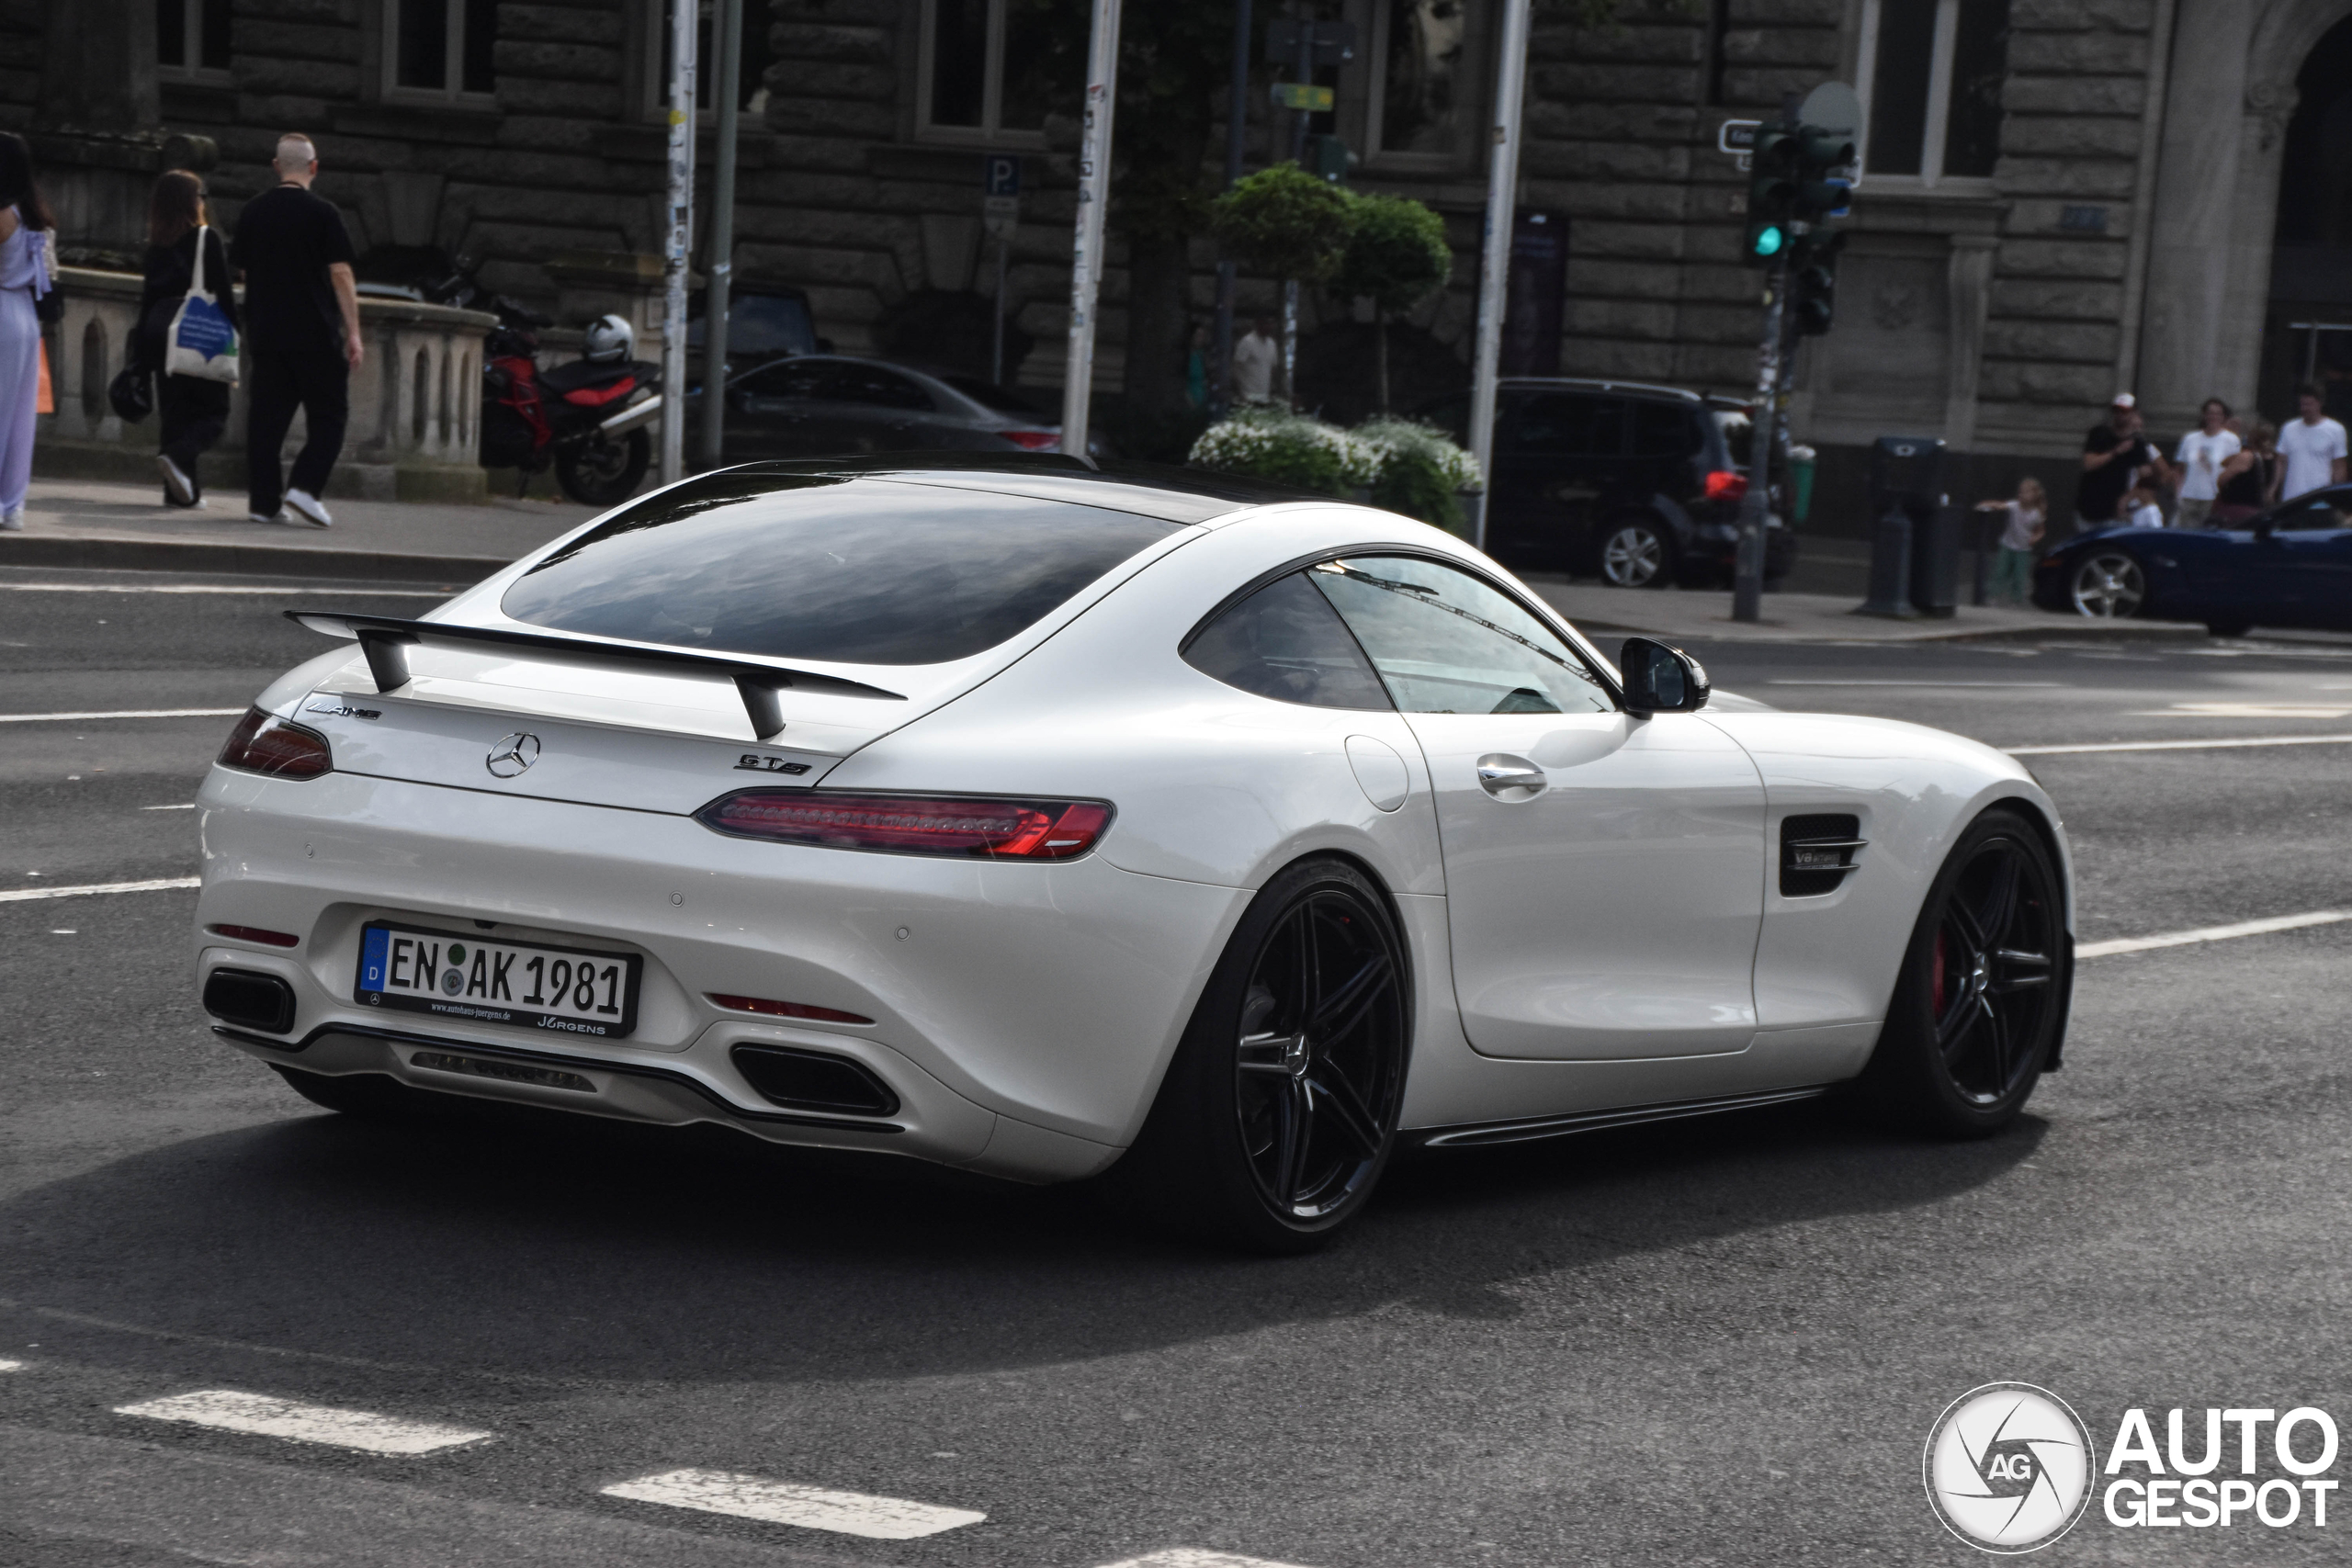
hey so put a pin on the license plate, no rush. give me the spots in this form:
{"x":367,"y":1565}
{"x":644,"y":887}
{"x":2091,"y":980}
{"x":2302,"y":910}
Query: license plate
{"x":563,"y":991}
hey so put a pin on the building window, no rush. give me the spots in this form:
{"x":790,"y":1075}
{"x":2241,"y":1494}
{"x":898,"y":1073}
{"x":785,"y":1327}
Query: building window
{"x":751,"y":86}
{"x":1718,"y":52}
{"x":986,"y":70}
{"x":1932,"y":89}
{"x":1419,"y":63}
{"x":441,"y":48}
{"x":192,"y":39}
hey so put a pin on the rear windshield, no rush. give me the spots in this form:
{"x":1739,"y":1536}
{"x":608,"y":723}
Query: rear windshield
{"x":848,"y":570}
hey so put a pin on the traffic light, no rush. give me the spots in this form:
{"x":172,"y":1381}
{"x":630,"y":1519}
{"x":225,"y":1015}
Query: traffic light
{"x":1775,"y":166}
{"x":1822,"y":185}
{"x":1813,"y":282}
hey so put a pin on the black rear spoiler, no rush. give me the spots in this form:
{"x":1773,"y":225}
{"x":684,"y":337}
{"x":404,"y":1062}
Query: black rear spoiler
{"x":385,"y":640}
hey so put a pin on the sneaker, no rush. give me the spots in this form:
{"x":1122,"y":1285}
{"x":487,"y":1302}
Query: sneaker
{"x":276,"y":516}
{"x":305,"y":506}
{"x":175,"y":484}
{"x":11,"y":521}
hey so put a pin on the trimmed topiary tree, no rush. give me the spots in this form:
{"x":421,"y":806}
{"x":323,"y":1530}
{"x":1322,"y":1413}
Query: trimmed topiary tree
{"x":1286,"y":222}
{"x":1395,"y":257}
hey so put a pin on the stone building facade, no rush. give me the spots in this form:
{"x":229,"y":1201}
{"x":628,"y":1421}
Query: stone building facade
{"x":2061,"y":198}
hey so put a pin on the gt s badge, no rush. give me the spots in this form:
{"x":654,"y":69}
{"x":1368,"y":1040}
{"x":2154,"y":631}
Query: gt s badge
{"x":341,"y":710}
{"x":759,"y":764}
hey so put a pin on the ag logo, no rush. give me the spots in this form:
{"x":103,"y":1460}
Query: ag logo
{"x":2008,"y":1467}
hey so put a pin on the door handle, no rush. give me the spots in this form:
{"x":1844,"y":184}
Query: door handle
{"x":1509,"y":778}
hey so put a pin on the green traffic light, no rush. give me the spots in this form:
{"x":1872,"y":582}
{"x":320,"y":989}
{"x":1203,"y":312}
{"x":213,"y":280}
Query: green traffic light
{"x":1769,"y":239}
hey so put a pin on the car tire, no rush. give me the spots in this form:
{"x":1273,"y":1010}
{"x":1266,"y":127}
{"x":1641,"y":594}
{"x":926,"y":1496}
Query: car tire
{"x":2107,"y":585}
{"x":1271,"y":1130}
{"x":1637,"y":551}
{"x":601,"y":472}
{"x":1979,"y":1007}
{"x":369,"y":1095}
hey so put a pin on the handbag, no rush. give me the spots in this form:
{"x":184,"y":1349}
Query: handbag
{"x":200,"y":341}
{"x":131,"y":394}
{"x":45,"y":391}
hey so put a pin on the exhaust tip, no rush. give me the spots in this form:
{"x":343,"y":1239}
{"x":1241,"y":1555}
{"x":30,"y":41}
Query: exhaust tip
{"x":814,"y":1080}
{"x":250,"y":999}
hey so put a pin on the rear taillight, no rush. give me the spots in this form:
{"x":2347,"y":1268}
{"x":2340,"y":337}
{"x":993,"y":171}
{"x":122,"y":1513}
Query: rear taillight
{"x":1033,"y":440}
{"x":264,"y":743}
{"x":255,"y":934}
{"x":787,"y":1010}
{"x":976,"y":828}
{"x":1726,"y":484}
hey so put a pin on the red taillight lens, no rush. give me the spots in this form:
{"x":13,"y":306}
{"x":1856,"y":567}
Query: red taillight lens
{"x":787,"y":1010}
{"x":264,"y":743}
{"x":914,"y":824}
{"x":255,"y":933}
{"x":1033,"y":440}
{"x":1726,"y":484}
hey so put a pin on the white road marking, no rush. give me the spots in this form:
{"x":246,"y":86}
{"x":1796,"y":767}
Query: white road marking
{"x":11,"y":1366}
{"x":125,"y":712}
{"x":1193,"y":1557}
{"x":235,"y":1412}
{"x":212,"y":588}
{"x":2182,"y":745}
{"x":2211,"y":933}
{"x":812,"y":1507}
{"x":183,"y":806}
{"x":1970,"y":685}
{"x":161,"y":883}
{"x":2247,"y":710}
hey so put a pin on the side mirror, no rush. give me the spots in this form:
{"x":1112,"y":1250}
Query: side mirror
{"x":1660,"y":678}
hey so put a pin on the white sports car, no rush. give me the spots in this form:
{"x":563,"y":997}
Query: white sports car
{"x":1033,"y":820}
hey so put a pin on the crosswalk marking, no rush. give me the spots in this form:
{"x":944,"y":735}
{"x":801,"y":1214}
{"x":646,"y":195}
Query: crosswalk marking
{"x":2211,"y":933}
{"x":154,"y":885}
{"x":1193,"y":1557}
{"x":812,"y":1507}
{"x":233,"y":1411}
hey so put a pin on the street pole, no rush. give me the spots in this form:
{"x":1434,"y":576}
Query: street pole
{"x":1086,"y":245}
{"x":1494,"y":284}
{"x":673,"y":258}
{"x":1748,"y":580}
{"x":1305,"y":11}
{"x":996,"y":352}
{"x":1228,"y":274}
{"x":729,"y":22}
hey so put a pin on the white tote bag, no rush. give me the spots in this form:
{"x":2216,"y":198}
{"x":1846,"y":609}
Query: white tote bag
{"x":202,"y":343}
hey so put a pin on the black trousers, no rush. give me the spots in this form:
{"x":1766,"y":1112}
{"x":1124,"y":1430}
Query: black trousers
{"x":193,"y":413}
{"x":316,"y":381}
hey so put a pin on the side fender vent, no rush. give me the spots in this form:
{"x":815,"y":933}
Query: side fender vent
{"x":1816,"y":852}
{"x":814,"y":1080}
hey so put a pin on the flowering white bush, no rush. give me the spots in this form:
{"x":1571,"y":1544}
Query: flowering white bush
{"x":1409,"y":440}
{"x":1275,"y":443}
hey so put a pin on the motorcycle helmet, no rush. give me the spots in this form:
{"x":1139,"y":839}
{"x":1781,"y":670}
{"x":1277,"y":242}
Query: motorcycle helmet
{"x":609,"y":341}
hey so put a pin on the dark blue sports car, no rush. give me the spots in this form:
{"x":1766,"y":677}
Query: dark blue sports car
{"x":2288,"y":566}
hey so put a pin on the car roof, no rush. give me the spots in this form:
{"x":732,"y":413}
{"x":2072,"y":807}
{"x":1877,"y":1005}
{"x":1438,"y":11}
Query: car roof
{"x":1592,"y":384}
{"x":1149,"y":489}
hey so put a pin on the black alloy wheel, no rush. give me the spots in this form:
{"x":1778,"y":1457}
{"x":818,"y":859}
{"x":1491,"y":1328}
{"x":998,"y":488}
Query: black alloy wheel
{"x":605,"y":470}
{"x":1280,"y":1110}
{"x":1981,"y":1003}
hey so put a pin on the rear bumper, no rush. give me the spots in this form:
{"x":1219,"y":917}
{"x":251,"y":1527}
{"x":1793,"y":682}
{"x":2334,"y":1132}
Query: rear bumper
{"x":1023,"y":1014}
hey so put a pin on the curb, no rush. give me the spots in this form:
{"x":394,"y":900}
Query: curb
{"x":243,"y":560}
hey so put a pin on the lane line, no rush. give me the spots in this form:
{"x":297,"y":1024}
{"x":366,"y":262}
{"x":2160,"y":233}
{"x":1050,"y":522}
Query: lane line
{"x":233,"y":1411}
{"x":124,"y":712}
{"x":1969,"y":685}
{"x":2211,"y":933}
{"x":215,"y":588}
{"x":812,"y":1507}
{"x":11,"y":1366}
{"x":183,"y":806}
{"x":2181,"y":745}
{"x":1193,"y":1557}
{"x":158,"y":884}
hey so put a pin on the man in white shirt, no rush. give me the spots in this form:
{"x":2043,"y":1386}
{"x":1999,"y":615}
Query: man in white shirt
{"x":1253,"y":363}
{"x":2312,"y":448}
{"x":2196,"y":464}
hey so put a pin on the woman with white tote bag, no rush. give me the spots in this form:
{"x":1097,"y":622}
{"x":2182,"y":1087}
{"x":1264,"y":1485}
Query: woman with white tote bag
{"x":189,"y":306}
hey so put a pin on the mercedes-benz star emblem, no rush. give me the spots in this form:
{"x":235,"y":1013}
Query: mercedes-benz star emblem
{"x":511,"y":755}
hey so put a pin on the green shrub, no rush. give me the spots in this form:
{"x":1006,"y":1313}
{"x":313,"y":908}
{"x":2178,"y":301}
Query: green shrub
{"x":1407,"y":468}
{"x":1423,"y":472}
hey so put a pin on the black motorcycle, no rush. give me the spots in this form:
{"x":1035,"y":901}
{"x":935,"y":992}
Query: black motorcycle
{"x":589,"y":419}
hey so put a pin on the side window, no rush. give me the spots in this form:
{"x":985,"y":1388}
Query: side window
{"x":1665,"y":430}
{"x":1284,"y":642}
{"x":1566,"y":424}
{"x":1445,"y":642}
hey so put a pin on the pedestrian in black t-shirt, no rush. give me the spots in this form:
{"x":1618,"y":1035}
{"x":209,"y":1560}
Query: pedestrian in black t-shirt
{"x":194,"y":410}
{"x":2110,"y":452}
{"x":301,"y":334}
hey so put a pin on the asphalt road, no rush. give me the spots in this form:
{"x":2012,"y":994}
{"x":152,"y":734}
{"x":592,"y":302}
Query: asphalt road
{"x":1712,"y":1342}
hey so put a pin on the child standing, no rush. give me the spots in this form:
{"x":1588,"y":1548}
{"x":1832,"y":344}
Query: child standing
{"x":2141,"y":509}
{"x":2012,"y":567}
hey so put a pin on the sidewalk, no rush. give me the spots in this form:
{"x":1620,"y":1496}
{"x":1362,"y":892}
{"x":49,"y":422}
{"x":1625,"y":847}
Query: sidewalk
{"x":108,"y":525}
{"x":1704,"y":615}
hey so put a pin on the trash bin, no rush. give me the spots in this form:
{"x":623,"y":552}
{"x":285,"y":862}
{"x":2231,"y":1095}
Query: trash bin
{"x":1908,"y":549}
{"x":1801,"y":460}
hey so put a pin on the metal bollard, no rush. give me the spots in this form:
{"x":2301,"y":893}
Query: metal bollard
{"x":1890,"y":568}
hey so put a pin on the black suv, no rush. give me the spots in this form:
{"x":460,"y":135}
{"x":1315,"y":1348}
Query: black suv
{"x":1635,"y":484}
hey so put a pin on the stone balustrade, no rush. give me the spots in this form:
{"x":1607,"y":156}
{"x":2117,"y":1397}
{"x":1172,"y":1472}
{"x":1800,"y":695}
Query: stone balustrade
{"x":415,"y":400}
